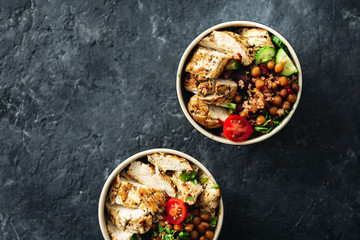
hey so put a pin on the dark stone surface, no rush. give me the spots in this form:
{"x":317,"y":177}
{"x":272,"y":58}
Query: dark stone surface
{"x":86,"y":84}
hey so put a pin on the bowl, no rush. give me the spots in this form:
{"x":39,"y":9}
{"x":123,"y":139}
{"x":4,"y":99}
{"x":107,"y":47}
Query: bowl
{"x":124,"y":164}
{"x":183,"y":95}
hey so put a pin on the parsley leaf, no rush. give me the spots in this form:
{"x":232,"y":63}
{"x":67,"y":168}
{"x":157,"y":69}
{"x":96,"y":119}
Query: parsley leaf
{"x":204,"y":180}
{"x":190,"y":198}
{"x":161,"y":229}
{"x":195,"y":182}
{"x":215,"y":186}
{"x":214,"y":221}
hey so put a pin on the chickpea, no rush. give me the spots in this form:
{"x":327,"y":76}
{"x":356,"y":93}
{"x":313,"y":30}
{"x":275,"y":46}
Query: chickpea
{"x":255,"y":72}
{"x":274,"y":85}
{"x":203,"y":238}
{"x":260,"y":120}
{"x":194,"y":235}
{"x":178,"y":227}
{"x":195,"y":212}
{"x":283,"y":92}
{"x":209,"y":234}
{"x":277,"y":100}
{"x":203,"y":226}
{"x":238,"y":98}
{"x":291,"y":98}
{"x":295,"y":87}
{"x":204,"y":216}
{"x":259,"y":84}
{"x":286,"y":105}
{"x":284,"y":81}
{"x":270,"y":65}
{"x":170,"y":226}
{"x":279,"y":67}
{"x":189,"y":227}
{"x":273,"y":110}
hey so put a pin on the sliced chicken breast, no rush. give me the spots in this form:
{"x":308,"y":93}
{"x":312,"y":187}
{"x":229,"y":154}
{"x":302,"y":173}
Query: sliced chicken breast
{"x":166,"y":162}
{"x":129,"y":219}
{"x":117,"y":234}
{"x":187,"y":191}
{"x":207,"y":63}
{"x":207,"y":115}
{"x":256,"y":37}
{"x":217,"y":91}
{"x":210,"y":197}
{"x":145,"y":174}
{"x":191,"y":84}
{"x":230,"y":43}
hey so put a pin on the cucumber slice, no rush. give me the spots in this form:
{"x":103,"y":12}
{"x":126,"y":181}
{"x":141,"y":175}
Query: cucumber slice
{"x":279,"y":43}
{"x":289,"y":67}
{"x":233,"y":65}
{"x":264,"y":53}
{"x":228,"y":105}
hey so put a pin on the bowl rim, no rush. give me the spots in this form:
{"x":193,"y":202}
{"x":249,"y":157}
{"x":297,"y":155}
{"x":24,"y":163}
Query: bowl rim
{"x":179,"y":89}
{"x":125,"y":163}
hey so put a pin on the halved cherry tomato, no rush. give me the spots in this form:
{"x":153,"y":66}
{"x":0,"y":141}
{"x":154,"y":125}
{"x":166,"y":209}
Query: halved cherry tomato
{"x":176,"y":210}
{"x":237,"y":128}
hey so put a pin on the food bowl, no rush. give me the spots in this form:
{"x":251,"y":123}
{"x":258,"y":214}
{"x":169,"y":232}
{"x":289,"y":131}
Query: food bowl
{"x":102,"y":215}
{"x":184,"y":96}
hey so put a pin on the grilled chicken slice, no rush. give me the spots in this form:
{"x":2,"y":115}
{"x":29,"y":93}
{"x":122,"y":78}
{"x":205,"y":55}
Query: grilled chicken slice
{"x":117,"y":234}
{"x":256,"y":37}
{"x":166,"y":162}
{"x":129,"y":219}
{"x":145,"y":174}
{"x":187,"y":191}
{"x":207,"y":115}
{"x":134,"y":195}
{"x":207,"y":63}
{"x":209,"y":200}
{"x":217,"y":91}
{"x":191,"y":84}
{"x":230,"y":43}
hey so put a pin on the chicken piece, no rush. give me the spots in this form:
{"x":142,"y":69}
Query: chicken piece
{"x":207,"y":63}
{"x":145,"y":174}
{"x":129,"y":219}
{"x":221,"y":91}
{"x":207,"y":115}
{"x":230,"y":43}
{"x":256,"y":38}
{"x":187,"y":191}
{"x":116,"y":234}
{"x":166,"y":162}
{"x":191,"y":84}
{"x":209,"y":200}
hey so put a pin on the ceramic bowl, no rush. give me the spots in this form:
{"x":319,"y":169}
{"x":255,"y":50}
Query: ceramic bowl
{"x":183,"y":95}
{"x":101,"y":208}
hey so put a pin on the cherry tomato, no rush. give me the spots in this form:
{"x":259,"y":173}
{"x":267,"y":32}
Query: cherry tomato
{"x":237,"y":128}
{"x":176,"y":210}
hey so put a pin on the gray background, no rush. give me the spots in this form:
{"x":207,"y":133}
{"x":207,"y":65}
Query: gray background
{"x":86,"y":84}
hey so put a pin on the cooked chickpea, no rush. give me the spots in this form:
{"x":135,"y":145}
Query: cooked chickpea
{"x":209,"y":234}
{"x":203,"y":238}
{"x":238,"y":98}
{"x":203,"y":226}
{"x":194,"y":235}
{"x":154,"y":238}
{"x":170,"y":226}
{"x":189,"y":227}
{"x":178,"y":227}
{"x":195,"y":212}
{"x":273,"y":110}
{"x":283,"y":92}
{"x":260,"y":120}
{"x":286,"y":105}
{"x":259,"y":84}
{"x":196,"y":221}
{"x":295,"y":87}
{"x":255,"y":72}
{"x":279,"y":67}
{"x":274,"y":85}
{"x":291,"y":98}
{"x":270,"y":65}
{"x":204,"y":216}
{"x":277,"y":100}
{"x":284,"y":81}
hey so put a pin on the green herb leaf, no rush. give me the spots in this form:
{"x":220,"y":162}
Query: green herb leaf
{"x":134,"y":237}
{"x":192,"y":175}
{"x":184,"y":176}
{"x":203,"y":180}
{"x":230,"y":110}
{"x":154,"y":234}
{"x":161,"y":229}
{"x":260,"y":129}
{"x":215,"y":186}
{"x":179,"y":75}
{"x":190,"y":198}
{"x":195,"y":182}
{"x":214,"y":221}
{"x":167,"y":229}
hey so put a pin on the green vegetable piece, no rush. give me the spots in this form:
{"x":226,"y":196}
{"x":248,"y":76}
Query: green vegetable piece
{"x":192,"y":175}
{"x":203,"y":180}
{"x":195,"y":182}
{"x":161,"y":229}
{"x":154,"y":234}
{"x":214,"y":221}
{"x":233,"y":65}
{"x":184,"y":176}
{"x":289,"y":67}
{"x":190,"y":198}
{"x":215,"y":186}
{"x":279,"y":43}
{"x":264,"y":53}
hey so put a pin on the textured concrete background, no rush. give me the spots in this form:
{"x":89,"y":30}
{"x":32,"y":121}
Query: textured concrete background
{"x":86,"y":84}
